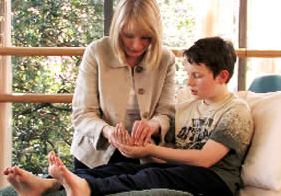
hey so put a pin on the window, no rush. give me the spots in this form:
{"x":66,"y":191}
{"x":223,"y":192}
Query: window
{"x":263,"y":33}
{"x":37,"y":128}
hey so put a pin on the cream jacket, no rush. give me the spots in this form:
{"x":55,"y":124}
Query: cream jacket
{"x":101,"y":96}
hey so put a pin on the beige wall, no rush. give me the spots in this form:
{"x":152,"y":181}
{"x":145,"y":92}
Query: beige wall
{"x":5,"y":87}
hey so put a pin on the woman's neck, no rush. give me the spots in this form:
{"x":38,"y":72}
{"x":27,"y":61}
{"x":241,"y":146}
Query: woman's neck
{"x":133,"y":61}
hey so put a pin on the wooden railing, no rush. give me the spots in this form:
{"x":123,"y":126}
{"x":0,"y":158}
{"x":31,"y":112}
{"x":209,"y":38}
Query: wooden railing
{"x":78,"y":51}
{"x":36,"y":98}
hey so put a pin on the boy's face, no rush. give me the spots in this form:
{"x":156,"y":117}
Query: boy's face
{"x":202,"y":83}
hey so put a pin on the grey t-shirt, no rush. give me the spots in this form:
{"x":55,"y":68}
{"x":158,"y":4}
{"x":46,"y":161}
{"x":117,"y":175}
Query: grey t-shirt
{"x":228,"y":122}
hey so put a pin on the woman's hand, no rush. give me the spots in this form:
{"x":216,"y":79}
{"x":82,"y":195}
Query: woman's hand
{"x":142,"y":131}
{"x":117,"y":135}
{"x":134,"y":148}
{"x":121,"y":135}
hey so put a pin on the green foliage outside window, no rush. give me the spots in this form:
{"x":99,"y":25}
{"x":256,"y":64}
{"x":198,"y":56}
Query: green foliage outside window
{"x":40,"y":128}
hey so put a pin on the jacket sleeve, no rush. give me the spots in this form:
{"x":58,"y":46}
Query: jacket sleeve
{"x":165,"y":110}
{"x":86,"y":112}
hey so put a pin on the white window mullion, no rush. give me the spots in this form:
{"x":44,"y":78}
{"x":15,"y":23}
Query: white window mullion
{"x":5,"y":88}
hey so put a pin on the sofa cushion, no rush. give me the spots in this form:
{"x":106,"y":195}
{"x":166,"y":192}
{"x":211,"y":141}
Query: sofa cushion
{"x":262,"y":166}
{"x":253,"y":191}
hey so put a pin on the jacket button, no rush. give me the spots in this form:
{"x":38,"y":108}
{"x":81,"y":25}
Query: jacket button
{"x":139,"y":69}
{"x":145,"y":115}
{"x":141,"y":91}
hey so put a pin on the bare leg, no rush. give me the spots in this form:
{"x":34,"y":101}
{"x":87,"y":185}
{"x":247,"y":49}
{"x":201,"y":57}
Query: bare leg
{"x":27,"y":184}
{"x":73,"y":184}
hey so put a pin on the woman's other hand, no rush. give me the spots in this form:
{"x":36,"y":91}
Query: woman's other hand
{"x":142,"y":131}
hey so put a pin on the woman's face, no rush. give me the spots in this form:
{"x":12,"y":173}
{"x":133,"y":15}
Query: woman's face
{"x":134,"y":43}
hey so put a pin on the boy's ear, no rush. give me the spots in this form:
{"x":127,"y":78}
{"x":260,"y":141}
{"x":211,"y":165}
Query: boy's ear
{"x":223,"y":76}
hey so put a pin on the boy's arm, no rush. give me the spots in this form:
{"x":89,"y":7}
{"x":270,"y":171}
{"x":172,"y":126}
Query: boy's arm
{"x":211,"y":153}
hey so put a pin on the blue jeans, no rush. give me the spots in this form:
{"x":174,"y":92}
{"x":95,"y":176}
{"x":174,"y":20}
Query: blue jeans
{"x":121,"y":177}
{"x":115,"y":158}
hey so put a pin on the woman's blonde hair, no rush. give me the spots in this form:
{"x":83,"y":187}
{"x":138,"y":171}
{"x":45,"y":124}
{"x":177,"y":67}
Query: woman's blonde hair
{"x":138,"y":16}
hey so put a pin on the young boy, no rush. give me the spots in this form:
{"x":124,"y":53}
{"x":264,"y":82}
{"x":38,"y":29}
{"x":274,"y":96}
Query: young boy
{"x":213,"y":132}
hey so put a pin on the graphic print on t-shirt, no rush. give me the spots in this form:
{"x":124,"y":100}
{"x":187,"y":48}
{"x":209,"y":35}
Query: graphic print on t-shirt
{"x":194,"y":135}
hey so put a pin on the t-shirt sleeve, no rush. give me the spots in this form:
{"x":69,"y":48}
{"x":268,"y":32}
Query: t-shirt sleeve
{"x":234,"y":129}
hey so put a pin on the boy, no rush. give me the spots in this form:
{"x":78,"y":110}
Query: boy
{"x":213,"y":132}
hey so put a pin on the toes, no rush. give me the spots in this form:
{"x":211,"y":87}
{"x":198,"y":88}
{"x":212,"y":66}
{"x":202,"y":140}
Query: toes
{"x":49,"y":157}
{"x":52,"y":157}
{"x":6,"y":171}
{"x":16,"y":170}
{"x":59,"y":161}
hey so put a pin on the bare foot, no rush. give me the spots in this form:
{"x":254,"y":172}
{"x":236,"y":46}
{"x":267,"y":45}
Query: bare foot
{"x":27,"y":184}
{"x":73,"y":184}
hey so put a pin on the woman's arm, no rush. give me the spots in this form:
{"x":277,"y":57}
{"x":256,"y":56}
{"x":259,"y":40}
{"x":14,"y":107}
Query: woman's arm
{"x":161,"y":96}
{"x":165,"y":108}
{"x":85,"y":105}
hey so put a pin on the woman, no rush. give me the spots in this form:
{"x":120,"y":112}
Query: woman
{"x":125,"y":80}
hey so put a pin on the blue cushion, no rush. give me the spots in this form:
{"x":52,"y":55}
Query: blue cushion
{"x":267,"y":83}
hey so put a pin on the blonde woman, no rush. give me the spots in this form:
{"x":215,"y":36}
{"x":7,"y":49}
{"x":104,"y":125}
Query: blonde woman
{"x":125,"y":81}
{"x":125,"y":84}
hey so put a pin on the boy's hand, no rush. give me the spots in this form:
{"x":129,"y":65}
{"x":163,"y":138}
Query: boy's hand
{"x":135,"y":151}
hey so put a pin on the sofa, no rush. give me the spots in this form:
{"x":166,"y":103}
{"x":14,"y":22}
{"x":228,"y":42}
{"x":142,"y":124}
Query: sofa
{"x":261,"y":171}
